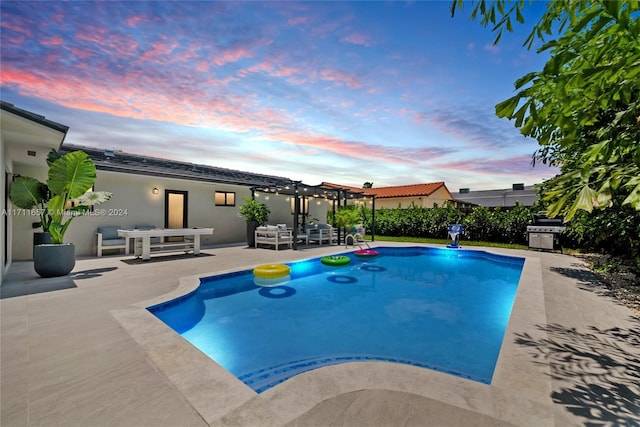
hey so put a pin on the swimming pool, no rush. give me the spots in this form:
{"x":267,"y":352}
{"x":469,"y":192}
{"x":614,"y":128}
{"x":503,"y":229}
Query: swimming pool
{"x":441,"y":309}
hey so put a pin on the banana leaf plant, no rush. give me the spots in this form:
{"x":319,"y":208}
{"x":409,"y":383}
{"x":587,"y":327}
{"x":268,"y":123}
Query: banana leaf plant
{"x":69,"y":180}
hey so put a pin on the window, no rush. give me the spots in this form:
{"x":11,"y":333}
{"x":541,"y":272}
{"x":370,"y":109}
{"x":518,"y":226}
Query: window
{"x":223,"y":198}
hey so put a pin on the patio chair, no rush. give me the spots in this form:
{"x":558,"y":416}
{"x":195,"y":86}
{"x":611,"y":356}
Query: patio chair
{"x":274,"y":235}
{"x":320,"y":233}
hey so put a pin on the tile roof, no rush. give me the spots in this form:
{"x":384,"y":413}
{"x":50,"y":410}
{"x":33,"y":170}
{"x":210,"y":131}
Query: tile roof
{"x":117,"y":161}
{"x":410,"y":190}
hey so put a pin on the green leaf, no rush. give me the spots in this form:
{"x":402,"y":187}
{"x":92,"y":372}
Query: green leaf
{"x":506,"y":108}
{"x":26,"y":192}
{"x":586,"y":199}
{"x":613,"y":7}
{"x":56,"y":207}
{"x":72,"y":175}
{"x":525,"y":79}
{"x":633,"y":198}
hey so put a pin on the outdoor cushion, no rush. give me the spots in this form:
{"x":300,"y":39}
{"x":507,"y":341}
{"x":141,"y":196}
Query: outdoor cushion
{"x":144,"y":227}
{"x":113,"y":242}
{"x":109,"y":232}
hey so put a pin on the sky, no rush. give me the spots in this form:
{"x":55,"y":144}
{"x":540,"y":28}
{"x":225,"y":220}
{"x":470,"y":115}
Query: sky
{"x":390,"y":92}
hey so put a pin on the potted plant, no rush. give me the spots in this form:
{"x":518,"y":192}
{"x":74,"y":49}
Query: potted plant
{"x":256,"y":214}
{"x":346,"y":217}
{"x":32,"y":195}
{"x":69,"y":180}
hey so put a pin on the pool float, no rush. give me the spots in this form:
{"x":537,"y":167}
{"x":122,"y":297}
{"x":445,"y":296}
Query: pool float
{"x":271,"y":282}
{"x":335,"y":260}
{"x":271,"y":271}
{"x":366,"y":253}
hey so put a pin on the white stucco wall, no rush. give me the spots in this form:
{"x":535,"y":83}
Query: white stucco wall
{"x":439,"y":197}
{"x":4,"y":168}
{"x":134,"y":204}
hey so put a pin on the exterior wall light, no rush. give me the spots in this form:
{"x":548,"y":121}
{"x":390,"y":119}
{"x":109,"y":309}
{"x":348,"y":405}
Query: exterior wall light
{"x":155,"y":190}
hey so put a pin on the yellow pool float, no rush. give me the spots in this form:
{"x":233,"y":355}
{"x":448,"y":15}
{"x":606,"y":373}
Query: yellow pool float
{"x":271,"y":271}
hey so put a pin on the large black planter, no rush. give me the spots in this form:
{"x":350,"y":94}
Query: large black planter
{"x":40,"y":238}
{"x":251,"y":233}
{"x":52,"y":260}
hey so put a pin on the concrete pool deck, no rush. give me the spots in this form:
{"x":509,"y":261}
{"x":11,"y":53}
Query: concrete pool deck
{"x":82,"y":351}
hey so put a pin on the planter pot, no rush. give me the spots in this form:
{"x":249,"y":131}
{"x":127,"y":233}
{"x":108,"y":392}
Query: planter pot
{"x":52,"y":260}
{"x":251,"y":233}
{"x":40,"y":238}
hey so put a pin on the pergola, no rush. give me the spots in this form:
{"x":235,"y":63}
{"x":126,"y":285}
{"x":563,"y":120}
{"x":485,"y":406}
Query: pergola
{"x":301,"y":193}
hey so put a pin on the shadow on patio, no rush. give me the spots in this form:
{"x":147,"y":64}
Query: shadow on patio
{"x":596,"y":378}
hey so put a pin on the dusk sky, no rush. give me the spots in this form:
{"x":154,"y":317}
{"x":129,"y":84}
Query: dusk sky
{"x":346,"y":92}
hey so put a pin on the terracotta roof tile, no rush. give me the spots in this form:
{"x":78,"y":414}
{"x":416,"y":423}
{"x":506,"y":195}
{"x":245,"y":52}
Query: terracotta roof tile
{"x":395,"y":191}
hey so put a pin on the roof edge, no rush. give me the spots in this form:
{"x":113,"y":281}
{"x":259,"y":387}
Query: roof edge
{"x":9,"y":107}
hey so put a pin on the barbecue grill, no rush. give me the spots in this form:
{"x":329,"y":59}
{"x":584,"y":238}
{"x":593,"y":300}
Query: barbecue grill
{"x":545,"y":232}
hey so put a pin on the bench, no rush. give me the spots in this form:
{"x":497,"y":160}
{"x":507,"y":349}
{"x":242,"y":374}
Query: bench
{"x":273,"y":235}
{"x":321,"y":233}
{"x":108,"y":239}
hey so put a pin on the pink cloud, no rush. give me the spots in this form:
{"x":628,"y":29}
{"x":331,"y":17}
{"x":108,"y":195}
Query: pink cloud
{"x":81,"y":53}
{"x":339,"y":76}
{"x":298,"y":20}
{"x":356,"y":149}
{"x":231,"y":55}
{"x":358,"y":39}
{"x":519,"y":165}
{"x":158,"y":49}
{"x":21,"y":26}
{"x":134,"y":20}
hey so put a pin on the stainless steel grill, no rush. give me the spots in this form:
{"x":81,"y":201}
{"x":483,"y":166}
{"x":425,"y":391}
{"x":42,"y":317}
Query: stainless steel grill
{"x":545,"y":232}
{"x":556,"y":229}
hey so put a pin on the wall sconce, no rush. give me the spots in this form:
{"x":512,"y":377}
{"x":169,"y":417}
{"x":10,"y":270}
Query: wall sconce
{"x":155,"y":190}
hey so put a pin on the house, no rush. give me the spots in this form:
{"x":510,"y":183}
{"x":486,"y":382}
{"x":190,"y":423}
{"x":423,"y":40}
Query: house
{"x":146,"y":190}
{"x":25,"y":140}
{"x":525,"y":195}
{"x":422,"y":195}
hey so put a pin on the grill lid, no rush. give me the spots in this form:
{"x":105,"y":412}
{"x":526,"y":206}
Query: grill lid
{"x":545,"y":229}
{"x":541,"y":219}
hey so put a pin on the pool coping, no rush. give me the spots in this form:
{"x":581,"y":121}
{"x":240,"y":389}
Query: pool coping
{"x":219,"y":397}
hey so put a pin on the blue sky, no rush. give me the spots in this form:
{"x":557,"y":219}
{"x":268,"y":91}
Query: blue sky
{"x":346,"y":92}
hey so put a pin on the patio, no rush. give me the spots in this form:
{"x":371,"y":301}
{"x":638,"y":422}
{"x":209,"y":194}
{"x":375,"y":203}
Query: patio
{"x":81,"y":351}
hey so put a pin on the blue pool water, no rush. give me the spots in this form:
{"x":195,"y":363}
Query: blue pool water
{"x":443,"y":309}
